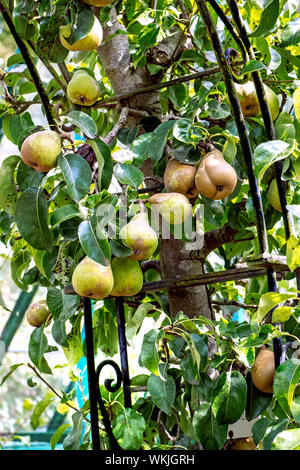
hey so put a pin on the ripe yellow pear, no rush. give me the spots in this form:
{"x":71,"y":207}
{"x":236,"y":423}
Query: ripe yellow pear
{"x":263,"y":370}
{"x":128,"y":277}
{"x":180,"y":178}
{"x":215,"y":178}
{"x":98,"y":3}
{"x":273,"y":195}
{"x":88,"y":43}
{"x":38,"y":313}
{"x":140,"y":236}
{"x":249,"y":102}
{"x":41,"y":149}
{"x":83,"y":89}
{"x":91,"y":279}
{"x":174,"y":208}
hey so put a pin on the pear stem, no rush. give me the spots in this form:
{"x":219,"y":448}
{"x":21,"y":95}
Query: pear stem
{"x":31,"y":67}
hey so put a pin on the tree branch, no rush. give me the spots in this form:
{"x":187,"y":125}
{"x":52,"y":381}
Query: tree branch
{"x":31,"y":67}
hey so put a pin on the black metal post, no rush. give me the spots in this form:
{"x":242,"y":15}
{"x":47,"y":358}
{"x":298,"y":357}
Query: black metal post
{"x":92,"y":378}
{"x":123,"y":351}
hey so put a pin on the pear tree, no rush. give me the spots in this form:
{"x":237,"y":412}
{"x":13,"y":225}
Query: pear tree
{"x":183,"y":113}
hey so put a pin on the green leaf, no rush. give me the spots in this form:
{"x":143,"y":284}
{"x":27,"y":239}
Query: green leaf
{"x":127,"y":173}
{"x":290,"y":36}
{"x":252,"y":66}
{"x":64,"y":213}
{"x":11,"y":370}
{"x":38,"y":346}
{"x":162,"y":390}
{"x":105,"y":163}
{"x":135,"y":320}
{"x":40,"y":407}
{"x":55,"y":438}
{"x":257,"y":401}
{"x":296,"y":101}
{"x":28,"y":177}
{"x":62,"y":306}
{"x":84,"y":122}
{"x":287,"y":440}
{"x":229,"y":397}
{"x":128,"y":429}
{"x":32,"y":219}
{"x":74,"y":350}
{"x":8,"y":190}
{"x":268,"y":18}
{"x":96,"y":248}
{"x":275,"y":428}
{"x":77,"y":174}
{"x":73,"y":439}
{"x":286,"y":379}
{"x":157,"y":144}
{"x":218,"y":109}
{"x":211,"y":435}
{"x":149,"y":353}
{"x":267,"y":153}
{"x":281,"y":314}
{"x":59,"y":333}
{"x":82,"y":26}
{"x":267,"y":302}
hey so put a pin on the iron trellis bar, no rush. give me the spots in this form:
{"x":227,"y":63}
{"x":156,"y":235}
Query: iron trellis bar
{"x":123,"y":351}
{"x":92,"y":378}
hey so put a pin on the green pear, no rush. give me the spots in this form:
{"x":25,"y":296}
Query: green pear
{"x":215,"y":178}
{"x":38,"y":313}
{"x":273,"y":195}
{"x":128,"y":277}
{"x":88,"y":43}
{"x":249,"y":102}
{"x":41,"y":149}
{"x":174,"y":208}
{"x":91,"y":279}
{"x":180,"y":178}
{"x":140,"y":236}
{"x":83,"y":89}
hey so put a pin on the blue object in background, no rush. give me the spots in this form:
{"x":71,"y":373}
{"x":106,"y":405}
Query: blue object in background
{"x":239,"y":315}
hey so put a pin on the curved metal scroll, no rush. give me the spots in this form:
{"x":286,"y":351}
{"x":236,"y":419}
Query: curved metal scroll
{"x":111,"y":387}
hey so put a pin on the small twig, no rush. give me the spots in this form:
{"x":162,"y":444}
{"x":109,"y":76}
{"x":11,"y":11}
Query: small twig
{"x":234,"y":303}
{"x":64,"y":71}
{"x":173,"y":439}
{"x":116,"y":129}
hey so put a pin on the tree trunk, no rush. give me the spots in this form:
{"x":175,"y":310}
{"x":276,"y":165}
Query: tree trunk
{"x":115,"y":58}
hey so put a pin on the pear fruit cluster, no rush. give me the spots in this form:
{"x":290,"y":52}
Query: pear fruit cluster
{"x":214,"y":178}
{"x":41,"y":149}
{"x":38,"y":313}
{"x":123,"y":277}
{"x":89,"y":42}
{"x":247,"y":96}
{"x":263,"y":370}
